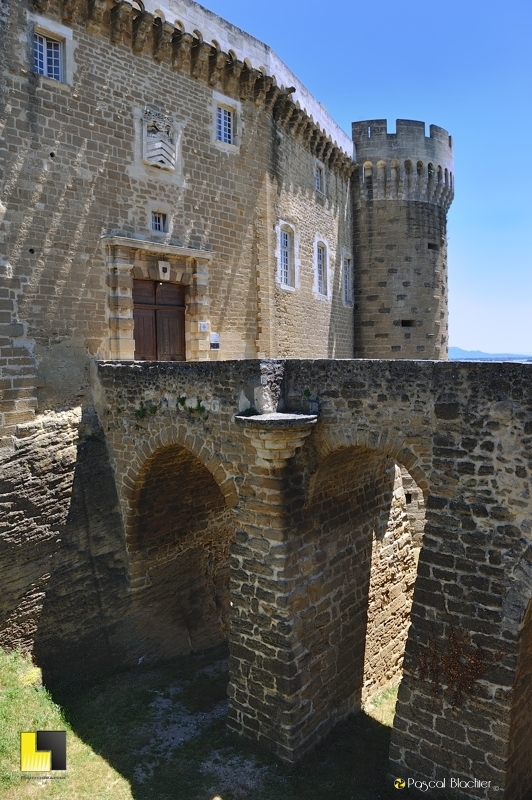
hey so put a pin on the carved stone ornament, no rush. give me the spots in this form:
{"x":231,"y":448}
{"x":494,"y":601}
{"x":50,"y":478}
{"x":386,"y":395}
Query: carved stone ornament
{"x":68,"y":8}
{"x":160,"y":140}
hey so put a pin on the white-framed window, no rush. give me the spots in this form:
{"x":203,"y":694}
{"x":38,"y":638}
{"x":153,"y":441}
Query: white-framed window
{"x":227,"y":122}
{"x":321,"y":268}
{"x":159,"y":222}
{"x":48,"y":56}
{"x":319,"y":177}
{"x":52,"y":49}
{"x":287,"y":256}
{"x":347,"y":279}
{"x":225,"y":125}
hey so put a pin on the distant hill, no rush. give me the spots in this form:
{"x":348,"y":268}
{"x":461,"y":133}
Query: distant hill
{"x":457,"y":354}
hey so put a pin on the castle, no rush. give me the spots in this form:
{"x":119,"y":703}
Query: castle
{"x":208,"y":208}
{"x":173,"y":193}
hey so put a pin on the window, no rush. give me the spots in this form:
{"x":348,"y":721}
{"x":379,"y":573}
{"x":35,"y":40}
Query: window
{"x":159,"y":222}
{"x":320,"y":182}
{"x":348,"y":280}
{"x":47,"y":57}
{"x":225,"y":125}
{"x":287,"y":257}
{"x":321,"y":268}
{"x":226,"y":122}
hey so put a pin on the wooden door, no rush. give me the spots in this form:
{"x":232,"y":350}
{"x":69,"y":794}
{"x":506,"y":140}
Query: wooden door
{"x":159,"y":321}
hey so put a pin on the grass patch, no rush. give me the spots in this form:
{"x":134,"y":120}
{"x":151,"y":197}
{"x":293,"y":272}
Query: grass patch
{"x":382,"y":706}
{"x":158,"y":733}
{"x":25,"y":705}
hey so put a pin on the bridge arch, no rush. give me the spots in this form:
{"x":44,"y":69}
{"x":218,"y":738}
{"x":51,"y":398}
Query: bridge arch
{"x":179,"y":532}
{"x":141,"y":462}
{"x":356,"y":518}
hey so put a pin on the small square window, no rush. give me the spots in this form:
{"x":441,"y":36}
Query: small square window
{"x":320,"y":183}
{"x":47,"y":57}
{"x":225,"y":125}
{"x":159,"y":222}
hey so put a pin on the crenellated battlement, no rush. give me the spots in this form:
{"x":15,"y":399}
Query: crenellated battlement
{"x":404,"y":180}
{"x":403,"y":165}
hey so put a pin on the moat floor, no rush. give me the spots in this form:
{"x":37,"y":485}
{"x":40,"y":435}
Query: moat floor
{"x":158,"y":732}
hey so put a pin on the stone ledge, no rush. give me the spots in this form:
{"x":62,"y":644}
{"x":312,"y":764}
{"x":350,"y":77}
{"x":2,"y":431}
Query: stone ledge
{"x":156,"y":247}
{"x":277,"y":421}
{"x":275,"y":436}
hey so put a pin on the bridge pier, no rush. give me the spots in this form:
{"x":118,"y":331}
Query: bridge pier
{"x":267,"y":659}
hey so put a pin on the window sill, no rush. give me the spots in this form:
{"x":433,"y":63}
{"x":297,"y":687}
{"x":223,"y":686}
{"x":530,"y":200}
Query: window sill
{"x":44,"y":80}
{"x":227,"y":148}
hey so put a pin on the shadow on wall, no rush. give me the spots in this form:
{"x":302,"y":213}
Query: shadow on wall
{"x":68,"y":600}
{"x":68,"y":594}
{"x":355,"y":622}
{"x":180,"y":541}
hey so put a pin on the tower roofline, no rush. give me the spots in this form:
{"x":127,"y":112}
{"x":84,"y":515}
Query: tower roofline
{"x":409,"y":142}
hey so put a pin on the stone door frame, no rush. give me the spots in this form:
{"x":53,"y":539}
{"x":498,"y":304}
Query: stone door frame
{"x":185,"y":265}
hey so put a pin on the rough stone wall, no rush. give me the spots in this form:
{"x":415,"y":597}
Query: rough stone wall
{"x":415,"y":507}
{"x":390,"y":594}
{"x":72,"y":157}
{"x":36,"y":485}
{"x":302,"y":317}
{"x":62,"y":553}
{"x":399,"y":279}
{"x":463,"y":432}
{"x":520,"y":748}
{"x":182,"y":537}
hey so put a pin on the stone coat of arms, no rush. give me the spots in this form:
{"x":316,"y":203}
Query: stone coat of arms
{"x":160,"y":140}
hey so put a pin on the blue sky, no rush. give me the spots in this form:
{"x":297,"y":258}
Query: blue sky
{"x":466,"y":66}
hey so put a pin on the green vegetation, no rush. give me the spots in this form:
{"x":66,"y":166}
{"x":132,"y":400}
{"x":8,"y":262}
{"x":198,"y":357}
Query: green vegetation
{"x":382,"y":707}
{"x":248,"y":412}
{"x":143,"y":410}
{"x":158,"y":733}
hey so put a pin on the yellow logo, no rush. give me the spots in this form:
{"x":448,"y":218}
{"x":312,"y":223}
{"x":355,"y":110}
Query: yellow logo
{"x":399,"y":783}
{"x":42,"y":751}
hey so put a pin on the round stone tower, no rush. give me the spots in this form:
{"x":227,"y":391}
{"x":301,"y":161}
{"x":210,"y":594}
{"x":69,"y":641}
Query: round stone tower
{"x":403,"y":187}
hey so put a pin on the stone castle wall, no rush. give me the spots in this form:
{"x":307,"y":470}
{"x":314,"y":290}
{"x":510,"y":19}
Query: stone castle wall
{"x":76,"y":171}
{"x":402,"y":188}
{"x":304,"y":537}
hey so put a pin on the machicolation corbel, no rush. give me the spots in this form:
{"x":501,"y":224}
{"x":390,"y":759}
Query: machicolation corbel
{"x":95,"y":15}
{"x":142,"y":26}
{"x":120,"y":21}
{"x":162,"y":40}
{"x":182,"y":47}
{"x":67,"y":10}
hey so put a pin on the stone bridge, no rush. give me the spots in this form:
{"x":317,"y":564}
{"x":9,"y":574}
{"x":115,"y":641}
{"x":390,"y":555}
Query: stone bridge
{"x":303,"y":507}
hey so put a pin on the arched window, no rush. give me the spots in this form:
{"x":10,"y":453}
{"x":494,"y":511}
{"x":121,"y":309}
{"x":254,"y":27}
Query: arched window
{"x":286,"y":256}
